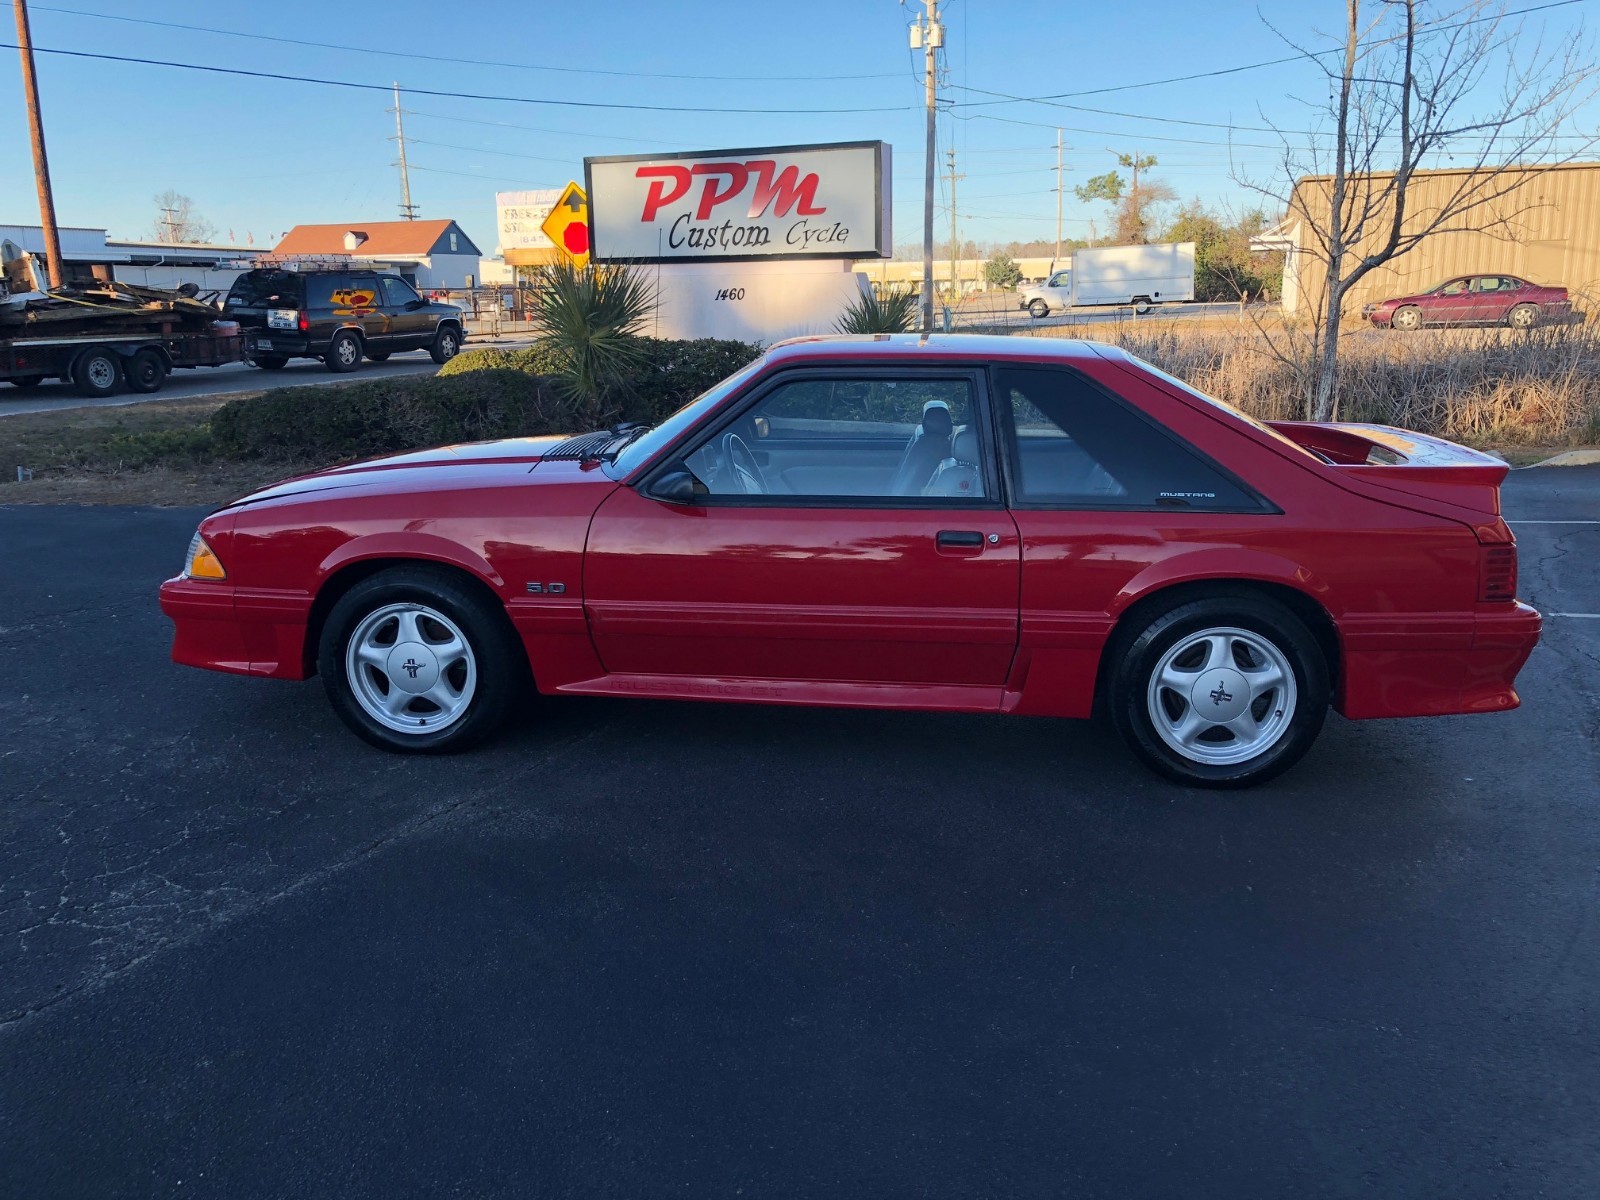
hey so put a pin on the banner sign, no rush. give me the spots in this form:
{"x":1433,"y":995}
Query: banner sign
{"x":521,"y":216}
{"x":824,"y":201}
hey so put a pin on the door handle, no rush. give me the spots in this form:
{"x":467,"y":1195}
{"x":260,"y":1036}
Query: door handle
{"x":959,"y":539}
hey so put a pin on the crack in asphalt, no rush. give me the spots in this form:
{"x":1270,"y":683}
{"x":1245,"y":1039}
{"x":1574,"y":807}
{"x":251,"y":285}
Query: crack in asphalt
{"x":215,"y":917}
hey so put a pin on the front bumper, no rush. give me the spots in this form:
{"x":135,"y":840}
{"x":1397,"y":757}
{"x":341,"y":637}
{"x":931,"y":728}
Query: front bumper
{"x":220,"y":628}
{"x":1477,"y":676}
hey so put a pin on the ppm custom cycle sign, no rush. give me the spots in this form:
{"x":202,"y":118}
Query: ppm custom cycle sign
{"x":826,"y":201}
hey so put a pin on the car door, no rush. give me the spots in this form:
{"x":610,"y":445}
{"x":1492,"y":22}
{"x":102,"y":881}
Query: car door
{"x":1451,"y":304}
{"x":410,"y":322}
{"x":363,"y":298}
{"x":848,"y":532}
{"x":1058,"y":290}
{"x":1493,"y":296}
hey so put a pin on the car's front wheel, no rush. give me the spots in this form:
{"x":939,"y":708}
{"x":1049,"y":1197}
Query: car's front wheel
{"x":446,"y":345}
{"x":1039,"y":309}
{"x":415,"y":660}
{"x":1220,"y":692}
{"x":1407,"y":320}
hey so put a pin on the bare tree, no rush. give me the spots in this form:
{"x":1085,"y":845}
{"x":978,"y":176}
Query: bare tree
{"x":1466,"y":90}
{"x":176,"y":220}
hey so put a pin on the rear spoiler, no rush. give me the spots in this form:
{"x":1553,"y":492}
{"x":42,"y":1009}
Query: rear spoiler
{"x":1399,"y":460}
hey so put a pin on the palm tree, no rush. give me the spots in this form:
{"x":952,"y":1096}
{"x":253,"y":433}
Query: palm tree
{"x":895,"y":313}
{"x":590,"y":321}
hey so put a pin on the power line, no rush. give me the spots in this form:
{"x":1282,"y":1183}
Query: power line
{"x":442,"y":58}
{"x":379,"y":87}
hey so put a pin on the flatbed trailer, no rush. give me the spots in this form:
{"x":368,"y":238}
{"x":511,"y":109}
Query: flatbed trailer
{"x":102,"y":364}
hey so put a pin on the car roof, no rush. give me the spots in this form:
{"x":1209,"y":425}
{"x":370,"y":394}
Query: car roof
{"x":904,"y":347}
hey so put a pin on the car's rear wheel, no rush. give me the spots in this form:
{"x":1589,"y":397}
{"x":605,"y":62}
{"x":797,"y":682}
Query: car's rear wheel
{"x":271,"y":362}
{"x":344,"y":352}
{"x":146,"y":371}
{"x":1142,"y":305}
{"x":414,"y":660}
{"x":446,"y":345}
{"x":1219,"y":692}
{"x":1523,"y":316}
{"x":1407,"y":320}
{"x":1039,"y":309}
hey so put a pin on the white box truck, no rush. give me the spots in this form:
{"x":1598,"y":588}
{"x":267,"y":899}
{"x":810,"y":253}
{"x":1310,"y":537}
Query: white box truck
{"x":1140,"y":276}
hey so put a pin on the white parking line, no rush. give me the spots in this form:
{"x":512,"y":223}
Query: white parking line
{"x":1553,"y":522}
{"x":1577,"y":616}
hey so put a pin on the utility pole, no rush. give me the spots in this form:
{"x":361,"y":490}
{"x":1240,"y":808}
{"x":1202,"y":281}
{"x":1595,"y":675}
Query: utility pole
{"x":41,"y":162}
{"x":955,"y":245}
{"x":1054,"y":262}
{"x":407,"y":209}
{"x":928,"y":35}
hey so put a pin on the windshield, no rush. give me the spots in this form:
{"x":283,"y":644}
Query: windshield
{"x":643,"y":448}
{"x":1227,"y":408}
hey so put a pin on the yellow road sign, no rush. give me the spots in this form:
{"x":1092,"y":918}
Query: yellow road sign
{"x":568,"y":225}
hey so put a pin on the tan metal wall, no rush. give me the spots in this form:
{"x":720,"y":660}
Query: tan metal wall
{"x":1547,"y":229}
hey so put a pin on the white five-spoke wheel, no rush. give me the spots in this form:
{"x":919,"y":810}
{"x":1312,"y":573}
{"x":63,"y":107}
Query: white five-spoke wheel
{"x":1221,"y":696}
{"x":1217,"y":691}
{"x":420,"y":658}
{"x":411,"y":668}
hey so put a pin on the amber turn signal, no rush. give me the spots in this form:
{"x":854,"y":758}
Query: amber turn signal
{"x":202,"y":562}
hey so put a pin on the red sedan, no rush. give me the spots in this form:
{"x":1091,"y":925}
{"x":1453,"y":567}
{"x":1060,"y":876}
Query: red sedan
{"x":1473,"y":300}
{"x":964,"y":524}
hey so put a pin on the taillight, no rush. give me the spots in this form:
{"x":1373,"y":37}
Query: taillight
{"x":304,"y":322}
{"x":1497,"y":573}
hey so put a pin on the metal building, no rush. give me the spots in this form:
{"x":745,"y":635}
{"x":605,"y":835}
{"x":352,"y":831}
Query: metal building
{"x":1545,"y":227}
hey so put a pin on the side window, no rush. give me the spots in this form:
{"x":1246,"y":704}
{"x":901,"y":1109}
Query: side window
{"x":1061,"y":279}
{"x":886,"y":438}
{"x":321,"y":288}
{"x":1492,"y":283}
{"x":1074,"y":446}
{"x":396,"y":292}
{"x":1455,"y":287}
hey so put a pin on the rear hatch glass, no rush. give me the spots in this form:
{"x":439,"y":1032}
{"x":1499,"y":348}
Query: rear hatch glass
{"x":255,"y":292}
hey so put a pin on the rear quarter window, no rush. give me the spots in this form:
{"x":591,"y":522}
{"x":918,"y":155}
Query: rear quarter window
{"x":266,"y":289}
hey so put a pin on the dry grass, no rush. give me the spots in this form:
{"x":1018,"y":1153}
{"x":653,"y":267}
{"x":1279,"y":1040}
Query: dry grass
{"x":1480,"y":386}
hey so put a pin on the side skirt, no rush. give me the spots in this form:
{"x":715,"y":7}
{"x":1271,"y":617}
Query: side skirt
{"x":919,"y":697}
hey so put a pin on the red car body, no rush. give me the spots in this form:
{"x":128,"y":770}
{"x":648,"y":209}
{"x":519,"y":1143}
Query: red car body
{"x":1389,"y":545}
{"x":1473,"y":300}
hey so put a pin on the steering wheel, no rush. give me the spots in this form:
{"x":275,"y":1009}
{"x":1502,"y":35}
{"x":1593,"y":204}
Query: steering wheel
{"x":746,"y":470}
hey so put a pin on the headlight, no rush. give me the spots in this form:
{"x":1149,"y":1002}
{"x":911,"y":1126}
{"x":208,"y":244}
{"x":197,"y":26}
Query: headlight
{"x":202,"y":562}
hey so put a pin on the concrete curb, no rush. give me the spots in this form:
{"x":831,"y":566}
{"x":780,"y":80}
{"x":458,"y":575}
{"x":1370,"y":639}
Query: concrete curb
{"x":1571,"y":458}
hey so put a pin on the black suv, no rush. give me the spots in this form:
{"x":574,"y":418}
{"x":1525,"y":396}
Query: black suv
{"x":338,"y":315}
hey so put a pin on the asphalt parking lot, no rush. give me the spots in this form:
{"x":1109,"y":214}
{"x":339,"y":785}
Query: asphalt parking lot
{"x":660,"y":949}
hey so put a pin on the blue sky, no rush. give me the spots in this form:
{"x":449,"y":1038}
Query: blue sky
{"x":261,"y":155}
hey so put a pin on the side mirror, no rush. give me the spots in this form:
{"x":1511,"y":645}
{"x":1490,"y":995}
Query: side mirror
{"x":413,"y":305}
{"x":677,"y":485}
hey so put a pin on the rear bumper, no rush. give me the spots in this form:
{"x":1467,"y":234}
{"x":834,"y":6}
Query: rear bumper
{"x":217,"y":629}
{"x":291,"y":345}
{"x":1477,"y":676}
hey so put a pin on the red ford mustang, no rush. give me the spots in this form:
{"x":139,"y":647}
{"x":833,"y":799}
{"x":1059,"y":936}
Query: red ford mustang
{"x":958,"y":523}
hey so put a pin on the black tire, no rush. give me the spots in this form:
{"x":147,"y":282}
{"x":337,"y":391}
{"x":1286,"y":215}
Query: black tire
{"x":27,"y":381}
{"x":1142,"y":305}
{"x":344,"y":352}
{"x":378,"y":355}
{"x":1523,"y":316}
{"x":498,"y":662}
{"x":98,"y":372}
{"x":146,"y":371}
{"x":1406,"y":320}
{"x":271,"y":362}
{"x":446,"y":344}
{"x":1236,"y":622}
{"x":1038,"y":309}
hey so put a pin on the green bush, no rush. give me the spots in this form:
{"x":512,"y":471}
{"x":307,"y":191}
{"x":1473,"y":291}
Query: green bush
{"x":479,"y":395}
{"x":160,"y":447}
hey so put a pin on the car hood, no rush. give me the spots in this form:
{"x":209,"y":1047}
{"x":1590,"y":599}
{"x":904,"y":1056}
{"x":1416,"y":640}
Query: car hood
{"x":471,"y":464}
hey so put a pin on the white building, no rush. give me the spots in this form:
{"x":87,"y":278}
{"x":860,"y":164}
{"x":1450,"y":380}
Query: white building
{"x":88,"y":255}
